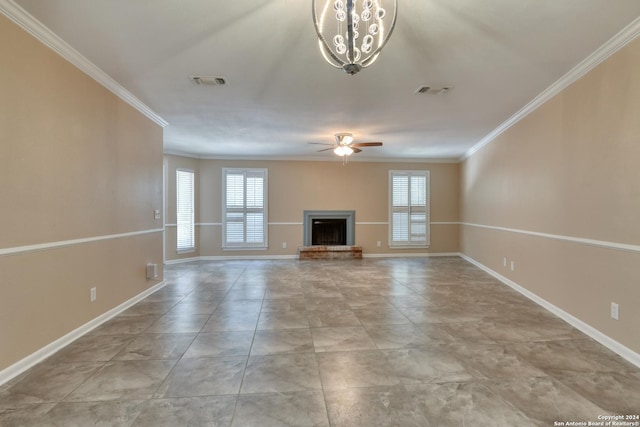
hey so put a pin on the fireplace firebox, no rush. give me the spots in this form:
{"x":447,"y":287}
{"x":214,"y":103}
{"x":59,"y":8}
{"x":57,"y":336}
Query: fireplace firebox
{"x":329,"y":231}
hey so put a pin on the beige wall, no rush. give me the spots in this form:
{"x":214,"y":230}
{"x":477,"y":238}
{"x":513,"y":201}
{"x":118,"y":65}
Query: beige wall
{"x":76,"y":162}
{"x":569,"y":169}
{"x":295,"y":186}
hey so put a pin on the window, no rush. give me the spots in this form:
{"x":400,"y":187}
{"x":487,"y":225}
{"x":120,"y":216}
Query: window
{"x":409,"y":210}
{"x":185,"y":210}
{"x":244,"y":207}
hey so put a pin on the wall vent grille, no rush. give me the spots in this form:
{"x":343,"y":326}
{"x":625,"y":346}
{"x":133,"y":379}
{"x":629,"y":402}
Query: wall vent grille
{"x":432,"y":90}
{"x":208,"y":80}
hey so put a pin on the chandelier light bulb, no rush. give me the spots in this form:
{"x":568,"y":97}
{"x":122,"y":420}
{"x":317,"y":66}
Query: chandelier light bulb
{"x":356,"y":54}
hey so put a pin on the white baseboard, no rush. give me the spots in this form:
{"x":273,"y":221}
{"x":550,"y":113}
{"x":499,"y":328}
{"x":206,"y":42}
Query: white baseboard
{"x":48,"y":350}
{"x":295,"y":257}
{"x":246,"y":257}
{"x":587,"y":329}
{"x":412,"y":255}
{"x":181,"y":260}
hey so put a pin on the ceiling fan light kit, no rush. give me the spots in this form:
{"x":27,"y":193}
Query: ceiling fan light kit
{"x":345,"y":146}
{"x":344,"y":138}
{"x":352,"y":33}
{"x":343,"y":150}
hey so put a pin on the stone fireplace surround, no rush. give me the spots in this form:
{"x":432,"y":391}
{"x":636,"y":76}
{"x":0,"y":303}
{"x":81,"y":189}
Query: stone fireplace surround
{"x":348,"y":251}
{"x":310,"y":216}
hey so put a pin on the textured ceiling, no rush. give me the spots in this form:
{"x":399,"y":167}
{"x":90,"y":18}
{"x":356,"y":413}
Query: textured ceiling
{"x":496,"y":54}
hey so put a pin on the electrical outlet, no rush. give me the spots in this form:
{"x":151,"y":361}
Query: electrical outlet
{"x":156,"y":214}
{"x":513,"y":265}
{"x":284,"y":245}
{"x":92,"y":294}
{"x":379,"y":243}
{"x":615,"y":311}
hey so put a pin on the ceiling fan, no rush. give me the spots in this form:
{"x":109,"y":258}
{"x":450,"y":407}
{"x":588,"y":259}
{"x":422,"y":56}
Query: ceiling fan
{"x":345,"y":146}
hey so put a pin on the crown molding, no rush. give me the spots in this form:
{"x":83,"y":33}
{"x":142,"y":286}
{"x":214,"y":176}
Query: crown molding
{"x":178,"y":153}
{"x":34,"y":27}
{"x":312,"y":158}
{"x":617,"y":42}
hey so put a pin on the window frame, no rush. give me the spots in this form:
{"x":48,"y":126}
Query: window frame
{"x":244,"y":245}
{"x":191,"y":220}
{"x":410,"y":243}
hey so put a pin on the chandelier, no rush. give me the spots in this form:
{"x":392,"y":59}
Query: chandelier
{"x":351,"y":33}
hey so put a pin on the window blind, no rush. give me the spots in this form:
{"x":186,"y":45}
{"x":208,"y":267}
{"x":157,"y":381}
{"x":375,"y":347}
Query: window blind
{"x":185,"y":210}
{"x":244,"y":208}
{"x":409,"y":210}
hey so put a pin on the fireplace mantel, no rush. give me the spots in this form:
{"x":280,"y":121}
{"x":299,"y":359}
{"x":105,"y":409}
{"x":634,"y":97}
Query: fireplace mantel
{"x":350,"y":217}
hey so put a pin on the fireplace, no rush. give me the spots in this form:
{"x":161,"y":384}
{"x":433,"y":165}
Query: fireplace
{"x":329,"y":228}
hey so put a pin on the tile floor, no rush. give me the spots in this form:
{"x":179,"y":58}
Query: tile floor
{"x":375,"y":342}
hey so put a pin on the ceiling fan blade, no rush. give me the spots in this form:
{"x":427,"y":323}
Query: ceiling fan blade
{"x":355,"y":150}
{"x":320,"y":143}
{"x":327,"y":149}
{"x":366,"y":144}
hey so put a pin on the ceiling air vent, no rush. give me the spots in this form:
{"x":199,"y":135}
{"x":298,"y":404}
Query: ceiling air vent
{"x":432,"y":90}
{"x":208,"y":80}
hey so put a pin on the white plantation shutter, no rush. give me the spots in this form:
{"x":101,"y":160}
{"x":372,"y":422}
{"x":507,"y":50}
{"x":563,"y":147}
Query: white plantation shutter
{"x":235,"y":190}
{"x":185,"y":210}
{"x":400,"y":208}
{"x":234,"y":217}
{"x":244,"y":208}
{"x":409,"y":211}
